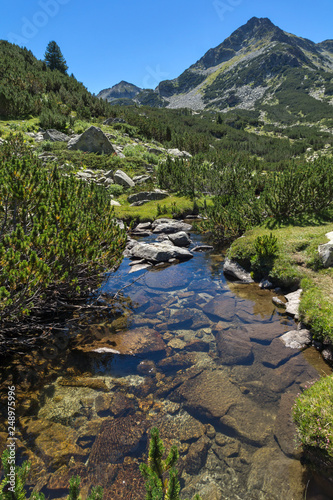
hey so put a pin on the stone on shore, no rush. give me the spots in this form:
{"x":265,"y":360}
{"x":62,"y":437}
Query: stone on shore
{"x":236,"y":271}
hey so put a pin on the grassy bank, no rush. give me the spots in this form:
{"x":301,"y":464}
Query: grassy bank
{"x":296,"y":264}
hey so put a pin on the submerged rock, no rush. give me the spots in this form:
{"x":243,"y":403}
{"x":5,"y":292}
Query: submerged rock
{"x":234,"y":346}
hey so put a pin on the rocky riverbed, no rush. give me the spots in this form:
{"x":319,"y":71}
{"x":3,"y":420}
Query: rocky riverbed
{"x":179,"y":348}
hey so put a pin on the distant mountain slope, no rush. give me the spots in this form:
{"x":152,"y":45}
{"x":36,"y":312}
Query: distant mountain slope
{"x":123,"y":90}
{"x":259,"y":66}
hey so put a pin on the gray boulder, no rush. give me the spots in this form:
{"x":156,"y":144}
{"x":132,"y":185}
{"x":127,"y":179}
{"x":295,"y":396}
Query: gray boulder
{"x":179,"y":154}
{"x":159,"y":252}
{"x":180,"y":239}
{"x":123,"y":179}
{"x":236,"y":271}
{"x":326,"y":254}
{"x":93,"y":140}
{"x":169,"y":226}
{"x":54,"y":136}
{"x":296,"y":339}
{"x":141,"y":179}
{"x":157,"y":194}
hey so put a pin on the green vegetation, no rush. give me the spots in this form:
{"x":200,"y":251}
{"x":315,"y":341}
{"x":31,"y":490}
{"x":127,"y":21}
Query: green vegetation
{"x":313,"y":415}
{"x":54,"y":58}
{"x":157,"y":487}
{"x":28,"y":87}
{"x":49,"y":239}
{"x":13,"y":486}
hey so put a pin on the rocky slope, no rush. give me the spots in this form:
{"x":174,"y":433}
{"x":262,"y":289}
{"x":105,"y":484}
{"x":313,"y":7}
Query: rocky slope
{"x":249,"y":68}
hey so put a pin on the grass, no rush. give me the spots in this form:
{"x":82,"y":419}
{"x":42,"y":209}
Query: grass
{"x":173,"y":205}
{"x":313,"y":415}
{"x":297,"y":264}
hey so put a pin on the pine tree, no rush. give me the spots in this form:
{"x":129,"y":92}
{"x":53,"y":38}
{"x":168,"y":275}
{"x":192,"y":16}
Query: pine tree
{"x":157,"y":486}
{"x":54,"y":58}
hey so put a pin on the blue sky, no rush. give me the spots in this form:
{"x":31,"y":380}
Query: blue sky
{"x":144,"y":42}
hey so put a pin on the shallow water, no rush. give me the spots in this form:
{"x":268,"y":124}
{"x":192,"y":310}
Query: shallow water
{"x":183,"y":350}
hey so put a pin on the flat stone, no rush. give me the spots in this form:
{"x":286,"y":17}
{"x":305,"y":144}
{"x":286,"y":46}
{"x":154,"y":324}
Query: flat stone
{"x":169,"y":226}
{"x":297,"y":339}
{"x":284,"y":427}
{"x":275,"y":354}
{"x":234,"y":346}
{"x":236,"y":271}
{"x":223,"y":307}
{"x":202,"y":248}
{"x":55,"y":136}
{"x":210,"y":394}
{"x":55,"y":442}
{"x":138,"y":341}
{"x":167,"y":279}
{"x":157,"y":194}
{"x":118,"y":438}
{"x":139,"y":267}
{"x":293,"y":301}
{"x":249,"y":421}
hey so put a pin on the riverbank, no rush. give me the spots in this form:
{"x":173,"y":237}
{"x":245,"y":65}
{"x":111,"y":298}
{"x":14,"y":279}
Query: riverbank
{"x":297,"y":264}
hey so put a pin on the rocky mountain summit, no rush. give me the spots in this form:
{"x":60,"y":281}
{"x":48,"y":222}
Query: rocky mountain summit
{"x":250,"y":67}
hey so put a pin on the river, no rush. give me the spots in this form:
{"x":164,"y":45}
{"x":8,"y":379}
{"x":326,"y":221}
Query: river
{"x":186,"y":351}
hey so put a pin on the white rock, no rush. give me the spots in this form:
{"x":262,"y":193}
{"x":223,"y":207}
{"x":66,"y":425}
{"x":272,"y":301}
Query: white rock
{"x":296,"y":339}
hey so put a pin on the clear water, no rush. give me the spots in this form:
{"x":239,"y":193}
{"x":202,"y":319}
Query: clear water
{"x":190,"y":353}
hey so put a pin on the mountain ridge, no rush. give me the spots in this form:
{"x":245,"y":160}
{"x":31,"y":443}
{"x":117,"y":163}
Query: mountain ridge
{"x":246,"y":70}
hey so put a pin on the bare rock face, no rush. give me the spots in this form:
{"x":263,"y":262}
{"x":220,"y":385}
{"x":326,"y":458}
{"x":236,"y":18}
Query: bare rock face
{"x":93,"y":140}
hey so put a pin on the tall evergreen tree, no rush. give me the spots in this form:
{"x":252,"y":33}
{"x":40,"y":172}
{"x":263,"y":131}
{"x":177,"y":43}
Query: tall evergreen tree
{"x":54,"y":58}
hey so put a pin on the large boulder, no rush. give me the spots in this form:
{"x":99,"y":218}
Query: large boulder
{"x":159,"y":252}
{"x":157,"y":194}
{"x":54,"y":136}
{"x":123,"y":179}
{"x":93,"y":140}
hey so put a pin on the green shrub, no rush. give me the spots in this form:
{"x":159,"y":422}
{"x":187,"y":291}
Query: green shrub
{"x":56,"y":232}
{"x":116,"y":190}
